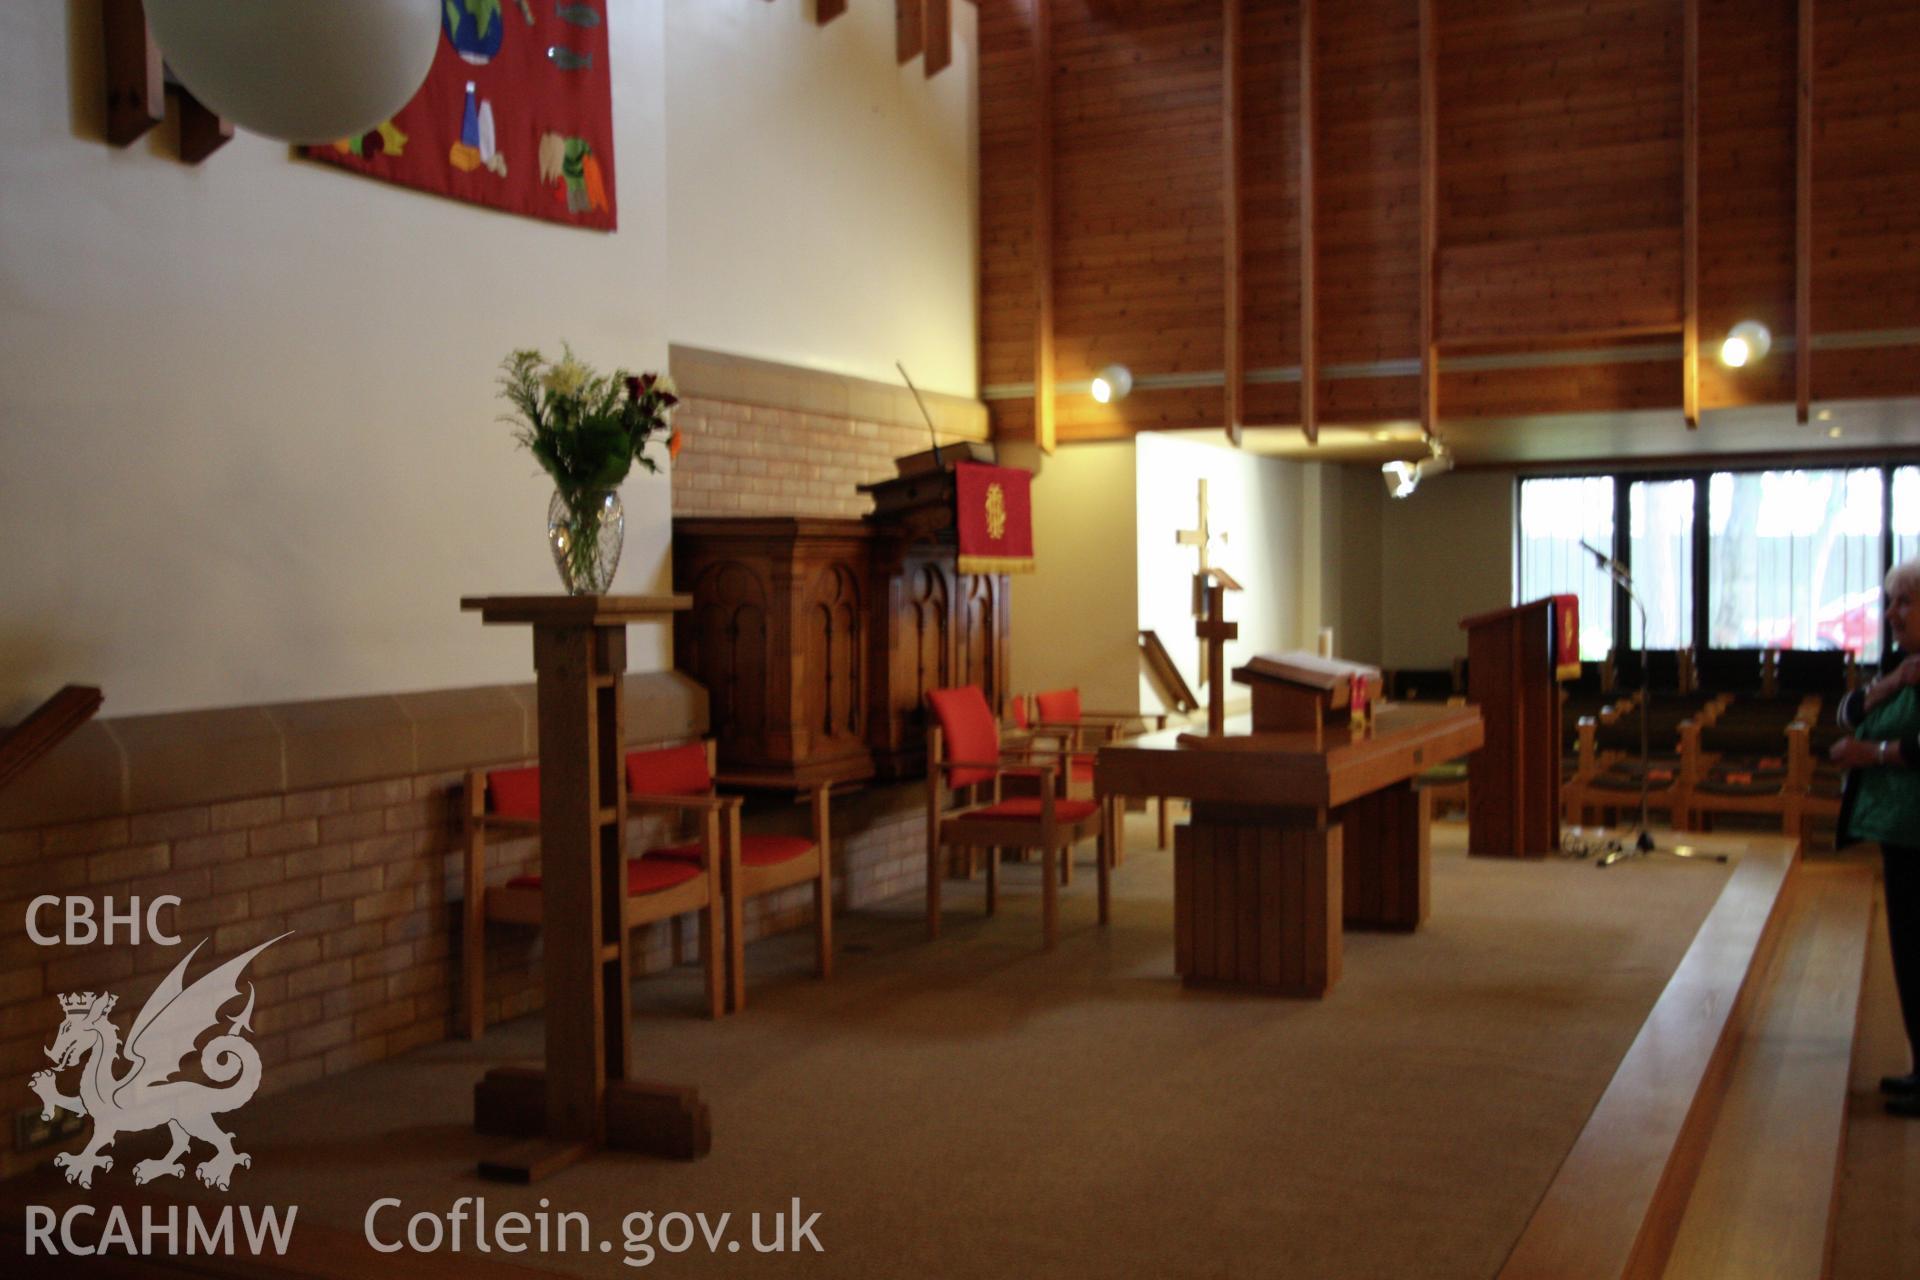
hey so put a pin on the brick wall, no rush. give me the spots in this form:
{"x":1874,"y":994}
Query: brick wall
{"x":750,"y":460}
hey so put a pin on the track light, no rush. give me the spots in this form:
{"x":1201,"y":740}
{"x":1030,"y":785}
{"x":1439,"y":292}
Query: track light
{"x":1403,"y":477}
{"x":1112,"y":383}
{"x":1747,"y":343}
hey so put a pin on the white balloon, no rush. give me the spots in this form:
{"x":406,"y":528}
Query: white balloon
{"x":299,"y":70}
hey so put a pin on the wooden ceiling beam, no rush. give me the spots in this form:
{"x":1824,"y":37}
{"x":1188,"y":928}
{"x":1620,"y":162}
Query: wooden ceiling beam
{"x":1235,"y":291}
{"x":1803,"y":225}
{"x":1043,"y":423}
{"x":1690,"y":215}
{"x":1429,"y":220}
{"x":1309,"y":311}
{"x":825,"y":11}
{"x":938,"y":26}
{"x":909,"y":29}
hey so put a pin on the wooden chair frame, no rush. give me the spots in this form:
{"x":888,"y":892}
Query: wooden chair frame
{"x":1787,"y":803}
{"x":1047,"y":833}
{"x":739,"y":882}
{"x":1110,"y":724}
{"x":522,"y":905}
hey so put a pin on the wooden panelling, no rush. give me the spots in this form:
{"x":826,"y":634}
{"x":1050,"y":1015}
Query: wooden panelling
{"x":1560,"y":137}
{"x":1137,"y":151}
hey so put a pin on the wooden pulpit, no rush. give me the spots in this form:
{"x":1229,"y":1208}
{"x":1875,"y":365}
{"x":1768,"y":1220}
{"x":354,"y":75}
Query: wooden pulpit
{"x":1513,"y":781}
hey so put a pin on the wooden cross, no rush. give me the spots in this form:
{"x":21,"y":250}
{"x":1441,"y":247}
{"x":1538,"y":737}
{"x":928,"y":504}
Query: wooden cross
{"x":1200,"y":537}
{"x":1214,"y":631}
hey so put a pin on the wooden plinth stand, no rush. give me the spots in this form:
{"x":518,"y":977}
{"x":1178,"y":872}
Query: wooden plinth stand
{"x":1256,"y":894}
{"x":1293,"y":836}
{"x":583,"y":1099}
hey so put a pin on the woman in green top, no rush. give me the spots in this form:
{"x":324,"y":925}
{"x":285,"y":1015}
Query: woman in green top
{"x":1882,"y":802}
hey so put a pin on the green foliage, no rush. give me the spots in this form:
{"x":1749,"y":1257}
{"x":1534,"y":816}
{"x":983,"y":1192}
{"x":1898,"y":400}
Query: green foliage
{"x":586,"y":429}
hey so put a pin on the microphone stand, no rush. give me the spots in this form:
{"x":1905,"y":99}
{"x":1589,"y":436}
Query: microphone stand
{"x":1643,"y":842}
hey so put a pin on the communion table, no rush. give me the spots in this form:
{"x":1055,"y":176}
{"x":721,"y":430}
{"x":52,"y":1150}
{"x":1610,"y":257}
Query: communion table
{"x":1288,"y":840}
{"x":582,"y":1099}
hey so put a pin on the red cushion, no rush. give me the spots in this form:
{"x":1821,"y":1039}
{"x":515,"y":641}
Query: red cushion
{"x":1061,"y":706}
{"x":1082,"y":767}
{"x":755,"y":851}
{"x":644,"y":876}
{"x":1029,"y":807}
{"x":969,"y":729}
{"x":514,"y":793}
{"x":1020,"y":718}
{"x":670,"y":771}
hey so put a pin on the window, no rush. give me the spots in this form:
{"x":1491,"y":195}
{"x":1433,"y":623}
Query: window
{"x":1906,"y":513}
{"x":1555,"y":517}
{"x":1794,"y":560}
{"x":1660,"y":553}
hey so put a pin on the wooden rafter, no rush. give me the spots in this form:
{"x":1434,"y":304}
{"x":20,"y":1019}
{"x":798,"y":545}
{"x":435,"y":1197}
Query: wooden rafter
{"x":938,"y":25}
{"x":1803,"y":226}
{"x":825,"y":11}
{"x":1043,"y":427}
{"x":1309,"y":311}
{"x":1231,"y":202}
{"x":1429,"y":219}
{"x":1690,"y":218}
{"x":909,"y":31}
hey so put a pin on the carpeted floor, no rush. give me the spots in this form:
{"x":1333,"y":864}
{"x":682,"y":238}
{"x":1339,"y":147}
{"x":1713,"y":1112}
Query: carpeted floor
{"x":974,"y":1107}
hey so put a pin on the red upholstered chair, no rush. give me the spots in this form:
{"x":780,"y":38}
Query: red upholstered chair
{"x":753,"y":864}
{"x":1081,"y":732}
{"x":657,"y":888}
{"x":963,"y":750}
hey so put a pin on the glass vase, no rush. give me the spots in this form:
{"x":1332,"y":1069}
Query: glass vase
{"x":585,"y":528}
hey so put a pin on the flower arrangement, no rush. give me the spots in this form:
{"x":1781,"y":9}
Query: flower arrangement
{"x":586,"y":430}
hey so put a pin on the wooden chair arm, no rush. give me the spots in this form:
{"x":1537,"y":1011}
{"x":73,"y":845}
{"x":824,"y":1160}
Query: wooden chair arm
{"x":704,"y":804}
{"x":493,"y":822}
{"x":1043,"y":772}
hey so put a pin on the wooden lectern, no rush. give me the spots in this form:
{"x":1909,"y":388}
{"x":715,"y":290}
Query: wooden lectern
{"x":1513,"y":782}
{"x":582,"y":1099}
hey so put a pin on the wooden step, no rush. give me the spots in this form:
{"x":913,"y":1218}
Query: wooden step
{"x":1616,"y":1201}
{"x":1761,"y":1204}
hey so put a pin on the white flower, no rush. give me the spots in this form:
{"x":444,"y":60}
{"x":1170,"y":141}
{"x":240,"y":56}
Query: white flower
{"x":565,"y":378}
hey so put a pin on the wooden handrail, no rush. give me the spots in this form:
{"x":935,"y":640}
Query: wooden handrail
{"x":46,"y":728}
{"x":1173,"y":687}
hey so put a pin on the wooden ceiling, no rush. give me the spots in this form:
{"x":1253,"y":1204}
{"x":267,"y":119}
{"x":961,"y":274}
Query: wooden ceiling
{"x":1284,"y":213}
{"x":922,"y":29}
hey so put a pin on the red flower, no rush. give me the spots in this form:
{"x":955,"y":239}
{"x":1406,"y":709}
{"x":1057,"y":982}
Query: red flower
{"x":634,"y":387}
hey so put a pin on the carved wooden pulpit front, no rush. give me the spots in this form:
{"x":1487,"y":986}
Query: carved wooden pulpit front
{"x":818,"y":639}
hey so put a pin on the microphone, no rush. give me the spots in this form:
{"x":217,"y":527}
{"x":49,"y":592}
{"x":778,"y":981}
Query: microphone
{"x":1602,"y":559}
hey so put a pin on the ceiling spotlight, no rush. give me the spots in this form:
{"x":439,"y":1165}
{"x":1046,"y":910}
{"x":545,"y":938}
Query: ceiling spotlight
{"x":301,"y":72}
{"x":1746,"y":343}
{"x":1403,"y":477}
{"x":1112,"y":383}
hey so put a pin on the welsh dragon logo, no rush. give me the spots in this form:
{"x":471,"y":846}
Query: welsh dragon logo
{"x":145,"y":1095}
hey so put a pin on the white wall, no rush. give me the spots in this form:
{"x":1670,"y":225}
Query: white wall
{"x":1445,"y":552}
{"x":1257,"y":502}
{"x":248,"y":448}
{"x":822,"y":205}
{"x":1073,"y":620}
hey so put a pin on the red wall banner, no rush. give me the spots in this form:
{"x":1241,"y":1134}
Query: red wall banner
{"x":516,"y":114}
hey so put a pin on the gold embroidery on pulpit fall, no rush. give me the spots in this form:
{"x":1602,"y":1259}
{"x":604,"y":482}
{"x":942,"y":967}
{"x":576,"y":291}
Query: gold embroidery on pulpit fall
{"x":996,"y":512}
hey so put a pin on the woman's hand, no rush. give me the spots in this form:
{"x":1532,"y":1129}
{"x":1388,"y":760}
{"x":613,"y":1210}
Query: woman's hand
{"x":1901,"y":677}
{"x":1852,"y":753}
